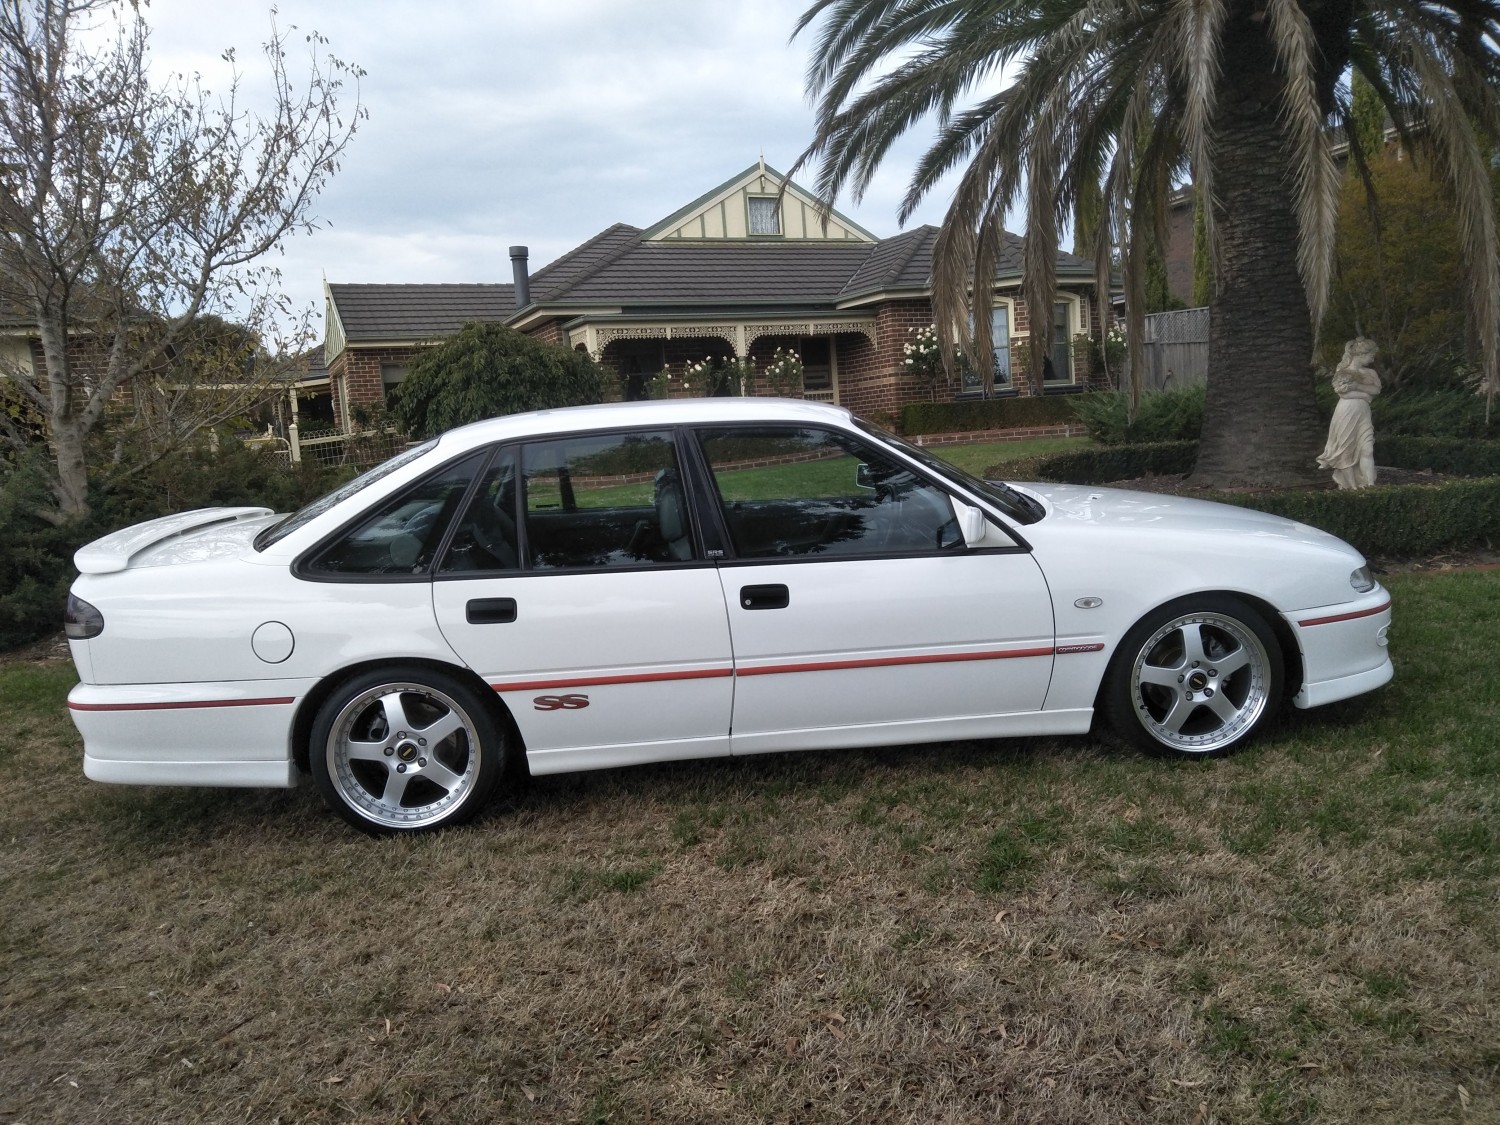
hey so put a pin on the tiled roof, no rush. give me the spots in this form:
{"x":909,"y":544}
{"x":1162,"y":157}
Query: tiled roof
{"x":553,"y":280}
{"x":416,"y":312}
{"x":618,"y":268}
{"x":905,"y":260}
{"x":652,"y":273}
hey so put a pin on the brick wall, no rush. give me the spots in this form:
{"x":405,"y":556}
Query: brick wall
{"x":356,"y":371}
{"x":872,"y":377}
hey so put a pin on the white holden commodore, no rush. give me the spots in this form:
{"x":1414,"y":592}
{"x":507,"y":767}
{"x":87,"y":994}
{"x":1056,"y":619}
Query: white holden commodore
{"x":601,"y":586}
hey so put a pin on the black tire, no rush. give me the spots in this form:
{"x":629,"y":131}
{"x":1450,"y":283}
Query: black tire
{"x":404,"y":749}
{"x":1196,"y":678}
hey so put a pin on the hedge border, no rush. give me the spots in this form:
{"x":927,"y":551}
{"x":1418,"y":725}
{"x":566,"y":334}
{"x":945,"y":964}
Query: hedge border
{"x":986,"y":414}
{"x":1391,"y":520}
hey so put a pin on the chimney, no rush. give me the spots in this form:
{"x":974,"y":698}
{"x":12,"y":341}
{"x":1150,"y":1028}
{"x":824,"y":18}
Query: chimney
{"x":523,"y":278}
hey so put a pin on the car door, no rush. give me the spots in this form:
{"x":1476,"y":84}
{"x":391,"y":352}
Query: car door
{"x":574,"y":585}
{"x":857,"y":611}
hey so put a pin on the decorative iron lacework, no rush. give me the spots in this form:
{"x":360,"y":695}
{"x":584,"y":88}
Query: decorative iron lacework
{"x":866,"y":328}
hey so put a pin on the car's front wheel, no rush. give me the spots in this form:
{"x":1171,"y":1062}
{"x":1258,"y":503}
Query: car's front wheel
{"x":406,"y":749}
{"x":1196,"y":678}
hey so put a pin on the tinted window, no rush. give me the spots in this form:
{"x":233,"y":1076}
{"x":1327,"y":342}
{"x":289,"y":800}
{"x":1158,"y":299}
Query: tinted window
{"x":486,"y":537}
{"x":799,"y":492}
{"x":604,"y":500}
{"x":402,"y":535}
{"x":338,"y":496}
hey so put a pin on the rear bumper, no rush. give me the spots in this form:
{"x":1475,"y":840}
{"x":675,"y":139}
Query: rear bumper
{"x":1344,"y":649}
{"x":235,"y":775}
{"x":235,"y":733}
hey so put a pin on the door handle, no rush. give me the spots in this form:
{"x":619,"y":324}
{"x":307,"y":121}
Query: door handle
{"x":764,"y":597}
{"x":490,"y":611}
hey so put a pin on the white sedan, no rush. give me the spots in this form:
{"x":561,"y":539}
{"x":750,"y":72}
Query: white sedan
{"x":601,"y":586}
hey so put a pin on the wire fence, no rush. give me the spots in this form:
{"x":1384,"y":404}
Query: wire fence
{"x":326,"y":449}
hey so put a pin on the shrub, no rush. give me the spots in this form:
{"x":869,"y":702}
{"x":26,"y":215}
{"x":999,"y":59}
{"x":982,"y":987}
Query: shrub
{"x":1440,"y":454}
{"x":1452,"y":412}
{"x":1175,"y":415}
{"x":486,"y":370}
{"x":1412,"y":519}
{"x":1394,"y":520}
{"x":36,"y":558}
{"x":1103,"y":464}
{"x":987,"y":414}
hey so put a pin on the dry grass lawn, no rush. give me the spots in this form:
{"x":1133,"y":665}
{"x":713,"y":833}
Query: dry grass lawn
{"x":1036,"y":931}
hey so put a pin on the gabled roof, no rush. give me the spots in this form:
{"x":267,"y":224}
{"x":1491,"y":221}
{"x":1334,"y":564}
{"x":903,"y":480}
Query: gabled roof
{"x":625,"y":269}
{"x":717,"y":213}
{"x":654,"y":273}
{"x":372,"y":313}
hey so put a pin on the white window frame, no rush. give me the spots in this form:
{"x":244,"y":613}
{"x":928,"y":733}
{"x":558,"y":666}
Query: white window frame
{"x":1009,"y":305}
{"x":1075,"y":325}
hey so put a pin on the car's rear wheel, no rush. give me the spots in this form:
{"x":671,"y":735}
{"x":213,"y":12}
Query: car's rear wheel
{"x":1195,"y":679}
{"x":406,"y":749}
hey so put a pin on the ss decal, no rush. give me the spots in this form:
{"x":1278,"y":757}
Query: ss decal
{"x":560,"y":702}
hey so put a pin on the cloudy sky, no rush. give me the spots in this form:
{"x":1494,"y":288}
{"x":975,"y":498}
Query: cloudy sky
{"x":538,"y":122}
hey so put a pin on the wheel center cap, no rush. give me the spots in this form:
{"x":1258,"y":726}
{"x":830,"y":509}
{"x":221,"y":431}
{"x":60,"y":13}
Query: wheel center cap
{"x":407,"y":751}
{"x":1197,"y":681}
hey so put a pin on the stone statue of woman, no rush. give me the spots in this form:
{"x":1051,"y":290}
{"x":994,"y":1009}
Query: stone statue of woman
{"x":1350,"y":451}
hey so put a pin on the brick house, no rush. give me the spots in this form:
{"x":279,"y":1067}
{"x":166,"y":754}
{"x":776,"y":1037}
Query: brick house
{"x":744,"y":269}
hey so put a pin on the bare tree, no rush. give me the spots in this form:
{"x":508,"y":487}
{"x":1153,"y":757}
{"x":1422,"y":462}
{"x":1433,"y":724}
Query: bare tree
{"x":129,"y":207}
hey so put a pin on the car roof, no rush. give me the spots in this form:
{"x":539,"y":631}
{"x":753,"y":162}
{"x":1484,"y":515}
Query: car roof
{"x":653,"y":412}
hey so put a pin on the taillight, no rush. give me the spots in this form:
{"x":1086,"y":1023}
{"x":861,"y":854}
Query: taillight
{"x":81,"y":621}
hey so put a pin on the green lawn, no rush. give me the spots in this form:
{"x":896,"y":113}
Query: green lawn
{"x":980,"y":456}
{"x":1037,"y":930}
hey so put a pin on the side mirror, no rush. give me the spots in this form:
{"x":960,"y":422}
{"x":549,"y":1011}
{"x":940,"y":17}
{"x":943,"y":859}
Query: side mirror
{"x":973,"y":523}
{"x":863,"y":477}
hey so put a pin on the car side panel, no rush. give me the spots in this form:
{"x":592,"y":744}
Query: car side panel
{"x":186,"y":624}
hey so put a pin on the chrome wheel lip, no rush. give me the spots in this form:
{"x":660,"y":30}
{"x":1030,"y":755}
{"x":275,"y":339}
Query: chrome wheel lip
{"x":375,"y":809}
{"x":1256,"y":667}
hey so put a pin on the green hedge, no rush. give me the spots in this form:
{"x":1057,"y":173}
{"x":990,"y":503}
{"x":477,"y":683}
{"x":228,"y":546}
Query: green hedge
{"x":986,"y":414}
{"x":1396,"y":520}
{"x":1101,"y":464}
{"x":1411,"y":519}
{"x":1441,"y":455}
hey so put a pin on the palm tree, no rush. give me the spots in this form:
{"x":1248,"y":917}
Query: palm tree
{"x":1112,"y":103}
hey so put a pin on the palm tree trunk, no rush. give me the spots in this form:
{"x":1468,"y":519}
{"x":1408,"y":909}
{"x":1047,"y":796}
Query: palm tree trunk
{"x":1260,"y":423}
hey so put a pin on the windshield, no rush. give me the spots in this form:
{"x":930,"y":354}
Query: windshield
{"x":1017,"y":505}
{"x":291,"y":523}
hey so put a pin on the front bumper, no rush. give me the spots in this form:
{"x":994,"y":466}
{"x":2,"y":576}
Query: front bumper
{"x":236,"y":733}
{"x":1344,"y":648}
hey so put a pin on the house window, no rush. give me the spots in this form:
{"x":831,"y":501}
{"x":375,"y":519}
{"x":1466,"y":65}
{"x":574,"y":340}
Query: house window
{"x":765,"y":215}
{"x":1057,"y":369}
{"x":392,"y":375}
{"x":817,"y":363}
{"x":1000,"y":338}
{"x":971,"y":380}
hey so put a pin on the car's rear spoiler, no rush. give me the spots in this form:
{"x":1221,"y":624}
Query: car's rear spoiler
{"x":114,"y":551}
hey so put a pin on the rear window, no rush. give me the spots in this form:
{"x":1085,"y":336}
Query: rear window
{"x":301,"y":517}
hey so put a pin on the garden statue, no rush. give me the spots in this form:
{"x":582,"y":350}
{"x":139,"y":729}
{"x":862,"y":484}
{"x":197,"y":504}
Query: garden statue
{"x":1350,"y":451}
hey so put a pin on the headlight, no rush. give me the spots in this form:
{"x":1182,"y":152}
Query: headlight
{"x":1362,"y":580}
{"x":81,"y":620}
